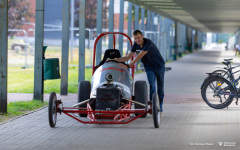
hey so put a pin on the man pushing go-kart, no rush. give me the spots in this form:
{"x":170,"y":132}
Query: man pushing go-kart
{"x":153,"y":63}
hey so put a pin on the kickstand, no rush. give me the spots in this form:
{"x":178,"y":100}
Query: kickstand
{"x":237,"y":101}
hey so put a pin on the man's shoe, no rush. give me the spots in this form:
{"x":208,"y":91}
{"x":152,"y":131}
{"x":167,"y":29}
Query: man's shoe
{"x":161,"y":114}
{"x":150,"y":103}
{"x":150,"y":109}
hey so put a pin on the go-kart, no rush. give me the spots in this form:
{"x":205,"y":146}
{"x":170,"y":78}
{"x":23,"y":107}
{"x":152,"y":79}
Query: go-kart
{"x":109,"y":99}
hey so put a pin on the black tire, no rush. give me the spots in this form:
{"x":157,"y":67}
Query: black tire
{"x":52,"y":110}
{"x":222,"y":73}
{"x":141,"y":96}
{"x":218,"y":92}
{"x":84,"y":89}
{"x":156,"y":110}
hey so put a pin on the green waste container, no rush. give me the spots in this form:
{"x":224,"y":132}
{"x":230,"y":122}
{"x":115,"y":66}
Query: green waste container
{"x":180,"y":54}
{"x":51,"y":68}
{"x":174,"y":57}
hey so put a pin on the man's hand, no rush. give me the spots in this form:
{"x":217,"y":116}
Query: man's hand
{"x":130,"y":65}
{"x":111,"y":59}
{"x":141,"y":54}
{"x":122,"y":66}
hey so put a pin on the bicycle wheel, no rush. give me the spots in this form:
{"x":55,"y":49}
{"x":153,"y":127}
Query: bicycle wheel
{"x":218,"y":92}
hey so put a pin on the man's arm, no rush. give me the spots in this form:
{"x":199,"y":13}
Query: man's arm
{"x":125,"y":58}
{"x":140,"y":55}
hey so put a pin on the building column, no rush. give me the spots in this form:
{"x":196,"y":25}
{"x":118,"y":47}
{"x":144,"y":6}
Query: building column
{"x":121,"y":25}
{"x":38,"y":58}
{"x":188,"y":40}
{"x":129,"y":24}
{"x":99,"y":30}
{"x":196,"y":39}
{"x":168,"y":27}
{"x":193,"y":39}
{"x":82,"y":26}
{"x":111,"y":23}
{"x":152,"y":27}
{"x":183,"y":39}
{"x":142,"y":27}
{"x":175,"y":53}
{"x":72,"y":29}
{"x":136,"y":20}
{"x":163,"y":38}
{"x":65,"y":46}
{"x":3,"y":54}
{"x":159,"y":35}
{"x":142,"y":20}
{"x":171,"y":37}
{"x":136,"y":26}
{"x":148,"y":23}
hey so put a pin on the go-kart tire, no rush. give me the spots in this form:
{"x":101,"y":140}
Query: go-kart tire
{"x":141,"y":96}
{"x":84,"y":89}
{"x":52,"y":110}
{"x":156,"y":110}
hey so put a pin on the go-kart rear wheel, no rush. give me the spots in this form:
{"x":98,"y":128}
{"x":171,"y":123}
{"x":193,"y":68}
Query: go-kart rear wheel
{"x":84,"y":89}
{"x":156,"y":110}
{"x":52,"y":109}
{"x":141,"y":95}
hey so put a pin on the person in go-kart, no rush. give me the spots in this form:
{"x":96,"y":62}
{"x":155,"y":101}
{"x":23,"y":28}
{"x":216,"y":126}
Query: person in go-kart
{"x":153,"y":63}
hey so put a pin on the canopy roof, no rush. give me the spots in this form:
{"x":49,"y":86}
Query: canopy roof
{"x":220,"y":16}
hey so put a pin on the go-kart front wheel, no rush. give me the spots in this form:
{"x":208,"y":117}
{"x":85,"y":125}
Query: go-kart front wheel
{"x":52,"y":109}
{"x":84,"y":89}
{"x":156,"y":110}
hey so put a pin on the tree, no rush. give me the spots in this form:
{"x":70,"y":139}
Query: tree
{"x":91,"y":14}
{"x":18,"y":13}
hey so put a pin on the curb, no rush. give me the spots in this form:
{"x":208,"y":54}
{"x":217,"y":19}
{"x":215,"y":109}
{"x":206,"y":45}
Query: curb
{"x":23,"y":115}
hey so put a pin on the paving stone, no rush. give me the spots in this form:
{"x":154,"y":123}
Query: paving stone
{"x":188,"y":123}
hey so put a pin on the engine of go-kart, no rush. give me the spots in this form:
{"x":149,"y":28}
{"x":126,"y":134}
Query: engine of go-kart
{"x":108,"y":98}
{"x":111,"y":85}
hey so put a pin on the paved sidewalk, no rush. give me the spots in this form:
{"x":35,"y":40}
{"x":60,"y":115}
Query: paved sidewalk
{"x":188,"y":123}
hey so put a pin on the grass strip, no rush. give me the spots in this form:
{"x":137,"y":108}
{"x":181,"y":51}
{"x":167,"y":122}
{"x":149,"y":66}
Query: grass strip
{"x":15,"y":109}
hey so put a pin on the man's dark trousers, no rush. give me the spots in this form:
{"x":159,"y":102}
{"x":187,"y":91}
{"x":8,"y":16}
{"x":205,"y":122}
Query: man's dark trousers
{"x":154,"y":74}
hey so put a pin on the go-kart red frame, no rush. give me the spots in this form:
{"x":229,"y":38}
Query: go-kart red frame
{"x":119,"y":116}
{"x":114,"y":34}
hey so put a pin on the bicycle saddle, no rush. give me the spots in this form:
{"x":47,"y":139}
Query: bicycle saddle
{"x":226,"y":63}
{"x":228,"y":60}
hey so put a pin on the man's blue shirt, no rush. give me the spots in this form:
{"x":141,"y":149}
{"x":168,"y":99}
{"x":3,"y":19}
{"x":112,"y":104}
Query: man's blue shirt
{"x":153,"y":58}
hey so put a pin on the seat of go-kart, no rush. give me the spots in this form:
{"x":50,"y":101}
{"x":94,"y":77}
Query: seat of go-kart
{"x":110,"y":54}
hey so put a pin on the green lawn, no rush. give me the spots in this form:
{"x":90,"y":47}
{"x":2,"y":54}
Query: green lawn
{"x":21,"y":80}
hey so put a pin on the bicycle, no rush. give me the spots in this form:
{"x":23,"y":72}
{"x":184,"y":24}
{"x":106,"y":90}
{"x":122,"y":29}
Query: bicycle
{"x":220,"y":87}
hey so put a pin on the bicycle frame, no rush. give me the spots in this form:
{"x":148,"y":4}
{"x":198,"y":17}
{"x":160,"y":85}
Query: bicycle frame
{"x":233,"y":81}
{"x":231,"y":75}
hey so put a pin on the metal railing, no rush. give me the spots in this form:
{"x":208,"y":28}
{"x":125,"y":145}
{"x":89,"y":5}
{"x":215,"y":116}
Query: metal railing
{"x":92,"y":34}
